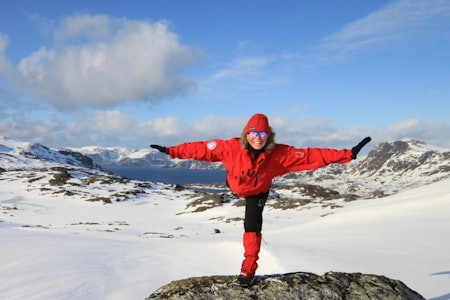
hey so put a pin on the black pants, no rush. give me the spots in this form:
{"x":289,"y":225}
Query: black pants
{"x":254,"y":206}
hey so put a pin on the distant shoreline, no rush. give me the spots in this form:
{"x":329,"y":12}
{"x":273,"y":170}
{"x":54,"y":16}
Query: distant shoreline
{"x":169,"y":175}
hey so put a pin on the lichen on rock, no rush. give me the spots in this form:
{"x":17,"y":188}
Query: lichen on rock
{"x":299,"y":285}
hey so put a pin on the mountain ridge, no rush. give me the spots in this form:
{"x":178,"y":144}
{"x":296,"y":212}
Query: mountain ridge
{"x":388,"y":168}
{"x":123,"y":156}
{"x":17,"y":155}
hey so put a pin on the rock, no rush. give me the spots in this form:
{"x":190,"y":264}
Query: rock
{"x":299,"y":285}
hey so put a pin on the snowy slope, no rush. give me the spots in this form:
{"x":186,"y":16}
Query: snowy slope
{"x":59,"y":247}
{"x":17,"y":155}
{"x":62,"y":239}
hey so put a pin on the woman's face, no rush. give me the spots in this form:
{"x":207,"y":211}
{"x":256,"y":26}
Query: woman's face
{"x":257,"y":139}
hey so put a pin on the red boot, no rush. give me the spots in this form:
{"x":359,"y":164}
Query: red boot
{"x":252,"y":245}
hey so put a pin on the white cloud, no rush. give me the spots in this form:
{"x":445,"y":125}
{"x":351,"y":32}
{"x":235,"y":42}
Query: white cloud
{"x":243,"y":67}
{"x":91,"y":27}
{"x":315,"y":132}
{"x":115,"y":128}
{"x":212,"y":126}
{"x":20,"y":128}
{"x":163,"y":127}
{"x":112,"y":121}
{"x":398,"y":20}
{"x":5,"y":66}
{"x":248,"y":73}
{"x":435,"y":133}
{"x":99,"y":61}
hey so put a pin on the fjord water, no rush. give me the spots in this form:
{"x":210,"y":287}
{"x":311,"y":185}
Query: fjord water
{"x":169,"y":175}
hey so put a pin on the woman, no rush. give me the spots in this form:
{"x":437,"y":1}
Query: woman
{"x":252,"y":161}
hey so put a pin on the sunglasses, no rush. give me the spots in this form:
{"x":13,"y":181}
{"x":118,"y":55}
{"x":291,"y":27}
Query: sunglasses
{"x":261,"y":134}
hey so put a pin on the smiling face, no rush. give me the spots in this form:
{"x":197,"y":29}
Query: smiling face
{"x":257,"y":140}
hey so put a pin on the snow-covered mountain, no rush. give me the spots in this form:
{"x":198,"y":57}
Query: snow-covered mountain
{"x":388,"y":168}
{"x":122,"y":156}
{"x":17,"y":155}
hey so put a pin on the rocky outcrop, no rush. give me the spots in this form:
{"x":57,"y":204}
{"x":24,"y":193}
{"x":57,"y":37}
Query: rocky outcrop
{"x":331,"y":285}
{"x":405,"y":158}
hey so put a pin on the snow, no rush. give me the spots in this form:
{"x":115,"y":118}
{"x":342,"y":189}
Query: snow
{"x":57,"y":245}
{"x":23,"y":155}
{"x":60,"y":247}
{"x":110,"y":155}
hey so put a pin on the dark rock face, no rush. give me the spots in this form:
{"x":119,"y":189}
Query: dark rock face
{"x":85,"y":160}
{"x":331,"y":285}
{"x":404,"y":157}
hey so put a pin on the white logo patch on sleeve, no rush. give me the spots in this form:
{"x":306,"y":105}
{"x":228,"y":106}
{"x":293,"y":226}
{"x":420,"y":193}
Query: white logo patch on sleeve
{"x":299,"y":154}
{"x":211,"y":145}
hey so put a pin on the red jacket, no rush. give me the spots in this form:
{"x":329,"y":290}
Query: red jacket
{"x":247,"y":176}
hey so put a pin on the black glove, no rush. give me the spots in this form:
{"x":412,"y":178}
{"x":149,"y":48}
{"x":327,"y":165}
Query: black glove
{"x":160,"y":148}
{"x":357,"y":148}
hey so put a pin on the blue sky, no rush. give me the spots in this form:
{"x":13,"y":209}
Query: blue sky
{"x":327,"y":73}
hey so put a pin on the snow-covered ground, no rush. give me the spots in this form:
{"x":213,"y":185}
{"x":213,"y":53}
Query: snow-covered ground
{"x":63,"y":247}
